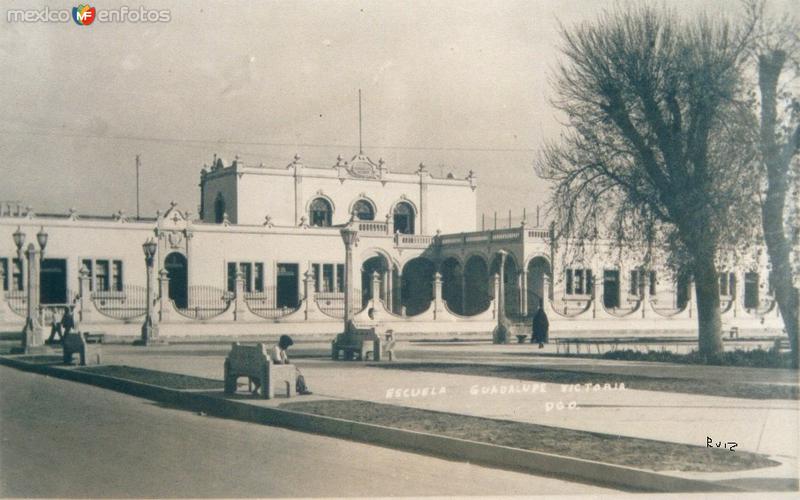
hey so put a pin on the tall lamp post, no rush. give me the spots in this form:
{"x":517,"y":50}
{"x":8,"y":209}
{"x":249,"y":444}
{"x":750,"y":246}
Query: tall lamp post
{"x":350,"y":238}
{"x":149,"y":328}
{"x":32,"y":334}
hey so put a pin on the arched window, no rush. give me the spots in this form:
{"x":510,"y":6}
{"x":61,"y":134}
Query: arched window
{"x":404,"y":218}
{"x":363,"y":209}
{"x":321,"y":212}
{"x":219,"y":209}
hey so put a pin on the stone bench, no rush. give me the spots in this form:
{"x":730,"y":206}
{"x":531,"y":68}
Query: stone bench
{"x":254,"y":363}
{"x":75,"y":343}
{"x":358,"y":344}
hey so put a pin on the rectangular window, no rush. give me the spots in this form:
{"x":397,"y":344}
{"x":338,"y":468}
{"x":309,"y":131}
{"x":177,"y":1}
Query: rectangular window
{"x":339,"y":277}
{"x":16,"y":275}
{"x":102,"y":275}
{"x":317,"y":278}
{"x":579,"y":282}
{"x":116,"y":275}
{"x":259,"y":283}
{"x":751,"y":290}
{"x":633,"y":289}
{"x":727,"y":284}
{"x":247,"y":270}
{"x":723,"y":283}
{"x":231,"y":276}
{"x":4,"y":270}
{"x":88,"y":264}
{"x":327,"y":277}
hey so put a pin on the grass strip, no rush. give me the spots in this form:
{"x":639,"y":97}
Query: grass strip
{"x":612,"y":449}
{"x":154,"y":377}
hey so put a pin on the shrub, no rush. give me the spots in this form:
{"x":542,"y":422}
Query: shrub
{"x":758,"y":358}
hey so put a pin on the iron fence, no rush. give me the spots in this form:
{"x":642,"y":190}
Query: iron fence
{"x":18,"y":302}
{"x":205,"y":302}
{"x":127,"y":304}
{"x":332,"y":303}
{"x":264,"y":304}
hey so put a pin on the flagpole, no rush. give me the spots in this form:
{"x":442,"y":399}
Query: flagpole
{"x":137,"y":187}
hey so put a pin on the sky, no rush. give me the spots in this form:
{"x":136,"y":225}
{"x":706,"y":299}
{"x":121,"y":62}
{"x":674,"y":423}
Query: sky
{"x":459,"y":85}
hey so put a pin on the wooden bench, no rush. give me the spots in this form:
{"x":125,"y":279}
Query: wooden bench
{"x":75,"y":343}
{"x":254,"y":363}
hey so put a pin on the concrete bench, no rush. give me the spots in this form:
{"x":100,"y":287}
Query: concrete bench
{"x":385,"y":346}
{"x":358,"y":344}
{"x":75,"y":343}
{"x":254,"y":363}
{"x":95,"y":338}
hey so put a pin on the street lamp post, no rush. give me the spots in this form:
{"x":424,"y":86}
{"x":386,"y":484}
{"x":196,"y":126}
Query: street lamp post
{"x":32,"y":334}
{"x":501,"y":331}
{"x":350,"y":238}
{"x":149,"y":327}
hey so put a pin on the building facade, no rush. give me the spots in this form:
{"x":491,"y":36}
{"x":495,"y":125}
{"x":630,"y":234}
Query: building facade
{"x":265,"y":256}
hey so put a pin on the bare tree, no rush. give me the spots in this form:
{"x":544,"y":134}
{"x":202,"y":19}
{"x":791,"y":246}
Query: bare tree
{"x":654,"y":146}
{"x":775,"y":48}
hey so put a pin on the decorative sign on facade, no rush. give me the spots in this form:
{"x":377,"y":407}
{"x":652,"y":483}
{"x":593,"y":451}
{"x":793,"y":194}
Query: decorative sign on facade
{"x":361,"y":166}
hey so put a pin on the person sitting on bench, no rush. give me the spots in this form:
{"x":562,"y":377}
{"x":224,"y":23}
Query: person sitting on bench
{"x":279,"y":357}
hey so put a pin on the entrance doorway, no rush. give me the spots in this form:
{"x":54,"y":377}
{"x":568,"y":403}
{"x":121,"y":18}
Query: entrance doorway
{"x":177,"y":267}
{"x":53,"y":282}
{"x":288,"y":287}
{"x":611,"y":289}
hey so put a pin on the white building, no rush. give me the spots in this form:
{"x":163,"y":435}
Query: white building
{"x":265,"y":256}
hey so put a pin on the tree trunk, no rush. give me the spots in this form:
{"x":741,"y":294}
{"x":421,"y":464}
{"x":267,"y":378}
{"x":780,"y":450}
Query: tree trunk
{"x":706,"y":287}
{"x":777,"y":163}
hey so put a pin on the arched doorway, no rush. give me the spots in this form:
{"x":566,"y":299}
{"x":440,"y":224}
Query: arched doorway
{"x":538,"y":269}
{"x":452,"y":282}
{"x":417,"y":291}
{"x":177,"y":271}
{"x":476,"y":280}
{"x":510,"y":284}
{"x":376,"y":264}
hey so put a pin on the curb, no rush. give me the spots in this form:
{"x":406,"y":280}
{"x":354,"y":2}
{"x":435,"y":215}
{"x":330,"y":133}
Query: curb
{"x":576,"y":469}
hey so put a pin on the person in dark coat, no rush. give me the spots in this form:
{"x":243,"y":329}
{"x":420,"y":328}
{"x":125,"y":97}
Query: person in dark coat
{"x":540,"y":326}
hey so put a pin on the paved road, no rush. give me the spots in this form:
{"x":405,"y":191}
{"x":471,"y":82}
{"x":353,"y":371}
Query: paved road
{"x":63,"y":439}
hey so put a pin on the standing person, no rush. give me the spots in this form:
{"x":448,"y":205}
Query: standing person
{"x":279,"y":357}
{"x":56,"y":328}
{"x":540,"y":326}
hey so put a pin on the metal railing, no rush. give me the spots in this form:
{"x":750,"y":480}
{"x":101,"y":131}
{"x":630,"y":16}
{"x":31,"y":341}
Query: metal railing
{"x":206,"y":302}
{"x":127,"y":304}
{"x":18,"y":302}
{"x":332,"y":303}
{"x":264,"y":304}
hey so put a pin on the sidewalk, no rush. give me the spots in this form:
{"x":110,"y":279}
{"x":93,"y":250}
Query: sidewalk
{"x":769,"y":427}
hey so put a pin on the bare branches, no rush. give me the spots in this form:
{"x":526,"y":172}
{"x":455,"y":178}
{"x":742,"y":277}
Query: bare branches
{"x":647,"y":99}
